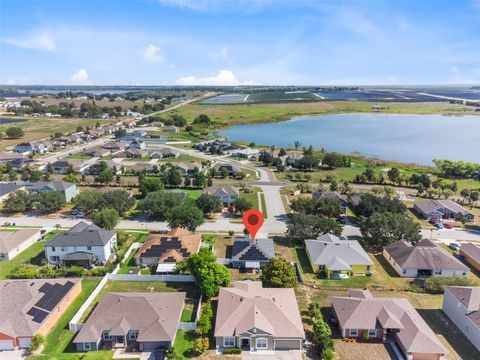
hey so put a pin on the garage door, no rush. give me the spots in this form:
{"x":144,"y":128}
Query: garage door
{"x":24,"y":343}
{"x":287,"y":344}
{"x":6,"y":345}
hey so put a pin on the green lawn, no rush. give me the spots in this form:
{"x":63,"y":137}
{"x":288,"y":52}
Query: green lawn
{"x":32,"y":255}
{"x":264,"y":205}
{"x":58,"y":343}
{"x":79,"y":156}
{"x":184,"y":342}
{"x":252,"y":196}
{"x":193,"y":194}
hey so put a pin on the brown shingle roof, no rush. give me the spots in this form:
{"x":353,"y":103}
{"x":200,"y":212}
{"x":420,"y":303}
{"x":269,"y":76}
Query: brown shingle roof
{"x":9,"y":240}
{"x":395,"y":313}
{"x":471,"y":250}
{"x":248,"y":305}
{"x":467,"y":296}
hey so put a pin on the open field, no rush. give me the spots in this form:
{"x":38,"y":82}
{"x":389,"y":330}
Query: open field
{"x":226,"y":115}
{"x":39,"y":128}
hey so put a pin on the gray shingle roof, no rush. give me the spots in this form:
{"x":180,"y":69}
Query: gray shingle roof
{"x":6,"y":188}
{"x":83,"y":234}
{"x":260,"y":249}
{"x":10,"y":240}
{"x":227,"y":189}
{"x":423,"y":255}
{"x":471,"y":250}
{"x":154,"y":315}
{"x":53,"y":185}
{"x":435,"y":205}
{"x":336,"y":254}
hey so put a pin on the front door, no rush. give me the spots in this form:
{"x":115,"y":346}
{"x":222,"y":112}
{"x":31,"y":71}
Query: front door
{"x":245,"y":344}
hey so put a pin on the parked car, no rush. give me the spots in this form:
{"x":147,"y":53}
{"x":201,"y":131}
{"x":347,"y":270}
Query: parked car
{"x":77,"y":212}
{"x":439,"y":225}
{"x":448,"y":225}
{"x":454,"y":246}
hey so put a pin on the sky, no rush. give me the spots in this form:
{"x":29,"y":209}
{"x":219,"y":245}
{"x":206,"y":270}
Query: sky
{"x":239,"y":42}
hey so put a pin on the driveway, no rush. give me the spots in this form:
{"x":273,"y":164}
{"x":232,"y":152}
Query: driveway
{"x":272,"y":355}
{"x":13,"y":355}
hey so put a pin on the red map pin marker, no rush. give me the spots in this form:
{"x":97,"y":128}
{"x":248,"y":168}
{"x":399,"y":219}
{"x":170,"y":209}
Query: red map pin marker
{"x":253,"y":220}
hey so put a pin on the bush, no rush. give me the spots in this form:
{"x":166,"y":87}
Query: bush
{"x":328,"y":354}
{"x":232,"y":351}
{"x":201,"y":344}
{"x":205,"y":321}
{"x":37,"y":340}
{"x":436,"y":285}
{"x":365,"y":336}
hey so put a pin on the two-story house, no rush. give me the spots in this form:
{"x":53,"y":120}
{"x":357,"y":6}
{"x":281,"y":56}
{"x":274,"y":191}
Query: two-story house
{"x":227,"y":194}
{"x":67,"y":189}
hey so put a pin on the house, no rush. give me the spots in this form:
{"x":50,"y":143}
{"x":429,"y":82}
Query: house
{"x":330,"y":255}
{"x":7,"y":188}
{"x":67,"y":189}
{"x":228,"y":168}
{"x":115,"y":146}
{"x":291,"y":159}
{"x":333,"y":195}
{"x":355,"y":199}
{"x":97,"y":152}
{"x":137,"y":144}
{"x":13,"y":243}
{"x":471,"y":254}
{"x":442,"y":209}
{"x":423,"y":259}
{"x":134,"y":321}
{"x":97,"y":167}
{"x":6,"y":156}
{"x":247,"y":153}
{"x":32,"y":307}
{"x":163,"y":251}
{"x":140,"y":168}
{"x":66,"y":166}
{"x":170,"y":129}
{"x":82,"y":245}
{"x":227,"y":194}
{"x":387,"y":319}
{"x":254,"y":318}
{"x":30,"y":148}
{"x":132,"y":154}
{"x":165,"y":153}
{"x":462,"y":306}
{"x":248,"y":254}
{"x":188,"y":168}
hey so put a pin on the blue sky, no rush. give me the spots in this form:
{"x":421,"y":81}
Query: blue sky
{"x":202,"y":42}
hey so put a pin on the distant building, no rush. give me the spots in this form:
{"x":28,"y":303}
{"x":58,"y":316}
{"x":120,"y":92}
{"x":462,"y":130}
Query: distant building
{"x":170,"y":129}
{"x":441,"y":210}
{"x":67,"y":189}
{"x":247,"y":153}
{"x":9,"y":156}
{"x":230,"y":169}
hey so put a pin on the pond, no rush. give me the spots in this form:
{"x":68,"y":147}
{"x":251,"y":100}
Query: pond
{"x":408,"y":138}
{"x":10,"y":120}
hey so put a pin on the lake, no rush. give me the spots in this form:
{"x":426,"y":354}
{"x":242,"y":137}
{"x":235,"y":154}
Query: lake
{"x":408,"y":138}
{"x":10,"y":120}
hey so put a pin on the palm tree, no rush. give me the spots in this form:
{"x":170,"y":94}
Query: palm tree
{"x":297,"y":145}
{"x":57,"y":226}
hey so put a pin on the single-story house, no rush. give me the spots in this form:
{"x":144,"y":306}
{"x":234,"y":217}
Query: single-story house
{"x":331,"y":255}
{"x":67,"y":189}
{"x":387,"y":319}
{"x":82,"y":245}
{"x":254,"y":318}
{"x":423,"y":259}
{"x":292,"y":159}
{"x":136,"y":321}
{"x":115,"y":146}
{"x":165,"y":153}
{"x":247,"y":153}
{"x":188,"y":168}
{"x":227,"y":194}
{"x":65,"y":166}
{"x":32,"y":307}
{"x":6,"y":156}
{"x":471,"y":254}
{"x":165,"y":250}
{"x":97,"y":152}
{"x":228,"y":168}
{"x":140,"y":168}
{"x":333,"y":195}
{"x":170,"y":129}
{"x":462,"y":306}
{"x":250,"y":254}
{"x":7,"y":188}
{"x":13,"y":243}
{"x":442,"y":209}
{"x":137,"y":144}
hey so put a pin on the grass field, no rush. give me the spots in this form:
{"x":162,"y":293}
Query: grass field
{"x":184,"y":342}
{"x":226,"y":115}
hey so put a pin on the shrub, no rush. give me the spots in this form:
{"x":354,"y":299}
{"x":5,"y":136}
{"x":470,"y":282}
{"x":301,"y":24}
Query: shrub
{"x":436,"y":285}
{"x":201,"y":344}
{"x":231,"y":351}
{"x":205,"y":321}
{"x":328,"y":354}
{"x":365,"y":336}
{"x":37,"y":340}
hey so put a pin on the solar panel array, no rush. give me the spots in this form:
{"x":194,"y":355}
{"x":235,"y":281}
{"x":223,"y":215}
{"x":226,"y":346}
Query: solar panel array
{"x":253,"y":254}
{"x":38,"y":314}
{"x":166,"y":244}
{"x":53,"y":294}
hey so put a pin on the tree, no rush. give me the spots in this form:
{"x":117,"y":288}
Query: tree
{"x":202,"y":119}
{"x":371,"y":203}
{"x":156,"y":204}
{"x":174,"y":177}
{"x":89,"y":200}
{"x":105,"y":176}
{"x":185,"y":216}
{"x":278,"y":272}
{"x":322,"y":335}
{"x":304,"y":226}
{"x":243,"y":205}
{"x":297,"y":145}
{"x":71,"y":178}
{"x":119,"y":199}
{"x":205,"y":322}
{"x":14,"y":132}
{"x":383,"y":228}
{"x":150,"y":184}
{"x":49,"y":201}
{"x":314,"y":311}
{"x":106,"y":218}
{"x":209,"y":275}
{"x":199,"y":179}
{"x":18,"y":201}
{"x":120,"y":133}
{"x":209,"y":203}
{"x":309,"y":162}
{"x":394,"y":175}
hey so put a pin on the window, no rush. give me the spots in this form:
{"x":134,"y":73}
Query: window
{"x":106,"y":336}
{"x":228,"y":341}
{"x":55,"y":258}
{"x":404,"y":271}
{"x":372,"y":333}
{"x":86,"y":346}
{"x":133,"y":334}
{"x":262,"y":343}
{"x":62,"y":248}
{"x":438,"y":272}
{"x":53,"y":248}
{"x":89,"y":248}
{"x":353,"y":332}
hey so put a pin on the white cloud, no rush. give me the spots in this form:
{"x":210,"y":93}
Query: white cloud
{"x":223,"y":78}
{"x":80,"y":78}
{"x":37,"y":40}
{"x":152,"y":53}
{"x":217,"y":6}
{"x":11,"y":82}
{"x":223,"y":53}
